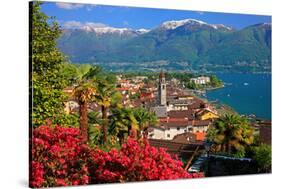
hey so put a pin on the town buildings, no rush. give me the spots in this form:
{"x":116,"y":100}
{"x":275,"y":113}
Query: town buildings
{"x":200,"y":80}
{"x":180,"y":113}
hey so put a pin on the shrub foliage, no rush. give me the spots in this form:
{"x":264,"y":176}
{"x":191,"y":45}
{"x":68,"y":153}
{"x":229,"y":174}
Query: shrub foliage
{"x":62,"y":158}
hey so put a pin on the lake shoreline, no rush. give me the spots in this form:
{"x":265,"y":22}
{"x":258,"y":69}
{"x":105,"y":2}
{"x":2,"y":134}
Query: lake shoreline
{"x":251,"y":99}
{"x":223,"y":109}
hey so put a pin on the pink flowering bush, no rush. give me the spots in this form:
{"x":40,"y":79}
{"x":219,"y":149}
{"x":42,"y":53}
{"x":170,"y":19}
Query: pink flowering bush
{"x":136,"y":161}
{"x":60,"y":157}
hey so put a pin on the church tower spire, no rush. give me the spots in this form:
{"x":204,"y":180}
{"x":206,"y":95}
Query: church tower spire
{"x":162,"y":89}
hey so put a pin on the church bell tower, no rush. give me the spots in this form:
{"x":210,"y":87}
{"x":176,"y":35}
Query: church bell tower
{"x":162,"y":90}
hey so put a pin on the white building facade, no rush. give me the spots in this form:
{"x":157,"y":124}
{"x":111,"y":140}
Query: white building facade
{"x":200,"y":80}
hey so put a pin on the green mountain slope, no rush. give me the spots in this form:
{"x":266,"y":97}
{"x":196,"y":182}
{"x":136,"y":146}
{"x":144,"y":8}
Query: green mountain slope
{"x":250,"y":44}
{"x":192,"y":42}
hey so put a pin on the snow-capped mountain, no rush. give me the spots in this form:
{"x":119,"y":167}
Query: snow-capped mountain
{"x":111,"y":30}
{"x":217,"y":26}
{"x":266,"y":25}
{"x":142,"y":31}
{"x":173,"y":24}
{"x":189,"y":40}
{"x":103,"y":30}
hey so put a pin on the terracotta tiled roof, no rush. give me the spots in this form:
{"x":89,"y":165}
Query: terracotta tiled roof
{"x":189,"y":114}
{"x":185,"y":138}
{"x":167,"y":119}
{"x":202,"y":111}
{"x":199,"y":123}
{"x":151,"y":128}
{"x":200,"y":136}
{"x":183,"y":122}
{"x":184,"y":96}
{"x":122,"y":89}
{"x":179,"y":101}
{"x":146,"y":94}
{"x":174,"y":124}
{"x":194,"y":106}
{"x":183,"y":150}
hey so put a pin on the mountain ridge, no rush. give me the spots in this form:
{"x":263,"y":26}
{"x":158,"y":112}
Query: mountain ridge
{"x":189,"y":40}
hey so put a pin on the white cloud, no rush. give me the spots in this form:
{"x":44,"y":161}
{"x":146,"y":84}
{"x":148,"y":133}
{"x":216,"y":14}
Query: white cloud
{"x":78,"y":25}
{"x":71,"y":6}
{"x":95,"y":25}
{"x":72,"y":25}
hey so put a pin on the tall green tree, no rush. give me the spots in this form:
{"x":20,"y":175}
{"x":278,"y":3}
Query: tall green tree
{"x":105,"y":91}
{"x":231,"y":134}
{"x":70,"y":73}
{"x":84,"y":93}
{"x":122,"y":123}
{"x":263,"y":158}
{"x":215,"y":82}
{"x":46,"y":60}
{"x":144,"y":119}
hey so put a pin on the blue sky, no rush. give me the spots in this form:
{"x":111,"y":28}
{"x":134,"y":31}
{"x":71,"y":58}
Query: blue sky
{"x":136,"y":18}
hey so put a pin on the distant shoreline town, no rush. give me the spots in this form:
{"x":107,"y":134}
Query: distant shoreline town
{"x":179,"y":104}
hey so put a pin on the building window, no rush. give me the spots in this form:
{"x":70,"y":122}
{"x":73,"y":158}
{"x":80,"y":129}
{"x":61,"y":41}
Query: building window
{"x":168,"y":135}
{"x":168,"y":128}
{"x":185,"y":130}
{"x":190,"y":129}
{"x":163,"y":87}
{"x":178,"y":128}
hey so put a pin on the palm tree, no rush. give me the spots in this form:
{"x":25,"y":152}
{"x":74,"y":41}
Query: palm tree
{"x":95,"y":122}
{"x":122,"y":121}
{"x":116,"y":100}
{"x":144,"y":119}
{"x":84,"y":93}
{"x":94,"y":118}
{"x":231,"y":133}
{"x":105,"y":91}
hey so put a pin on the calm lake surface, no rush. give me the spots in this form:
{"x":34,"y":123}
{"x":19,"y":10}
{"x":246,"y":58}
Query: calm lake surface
{"x":245,"y":93}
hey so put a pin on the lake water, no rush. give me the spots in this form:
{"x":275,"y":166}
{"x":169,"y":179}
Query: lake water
{"x":245,"y":93}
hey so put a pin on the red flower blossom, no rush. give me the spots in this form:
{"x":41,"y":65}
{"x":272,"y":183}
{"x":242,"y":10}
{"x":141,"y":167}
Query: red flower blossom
{"x":60,"y":157}
{"x":136,"y":161}
{"x":62,"y":154}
